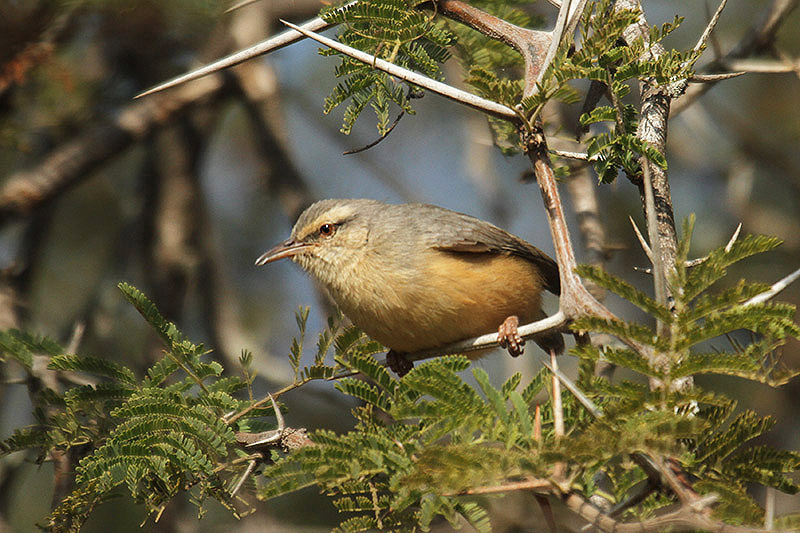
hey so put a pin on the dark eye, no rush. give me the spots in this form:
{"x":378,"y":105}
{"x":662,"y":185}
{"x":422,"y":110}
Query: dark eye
{"x":326,"y":230}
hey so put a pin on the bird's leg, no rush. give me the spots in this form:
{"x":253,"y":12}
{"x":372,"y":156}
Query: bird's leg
{"x":509,"y":338}
{"x":398,"y":363}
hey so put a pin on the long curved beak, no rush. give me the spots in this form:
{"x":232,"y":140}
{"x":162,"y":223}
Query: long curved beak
{"x":285,"y":249}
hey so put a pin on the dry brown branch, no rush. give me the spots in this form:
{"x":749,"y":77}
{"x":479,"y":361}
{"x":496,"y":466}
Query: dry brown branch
{"x":531,"y":44}
{"x":539,"y":485}
{"x":685,"y":518}
{"x":26,"y":191}
{"x":536,"y":47}
{"x":575,"y":300}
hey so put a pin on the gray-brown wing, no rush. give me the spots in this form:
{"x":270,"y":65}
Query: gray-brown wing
{"x":457,"y":232}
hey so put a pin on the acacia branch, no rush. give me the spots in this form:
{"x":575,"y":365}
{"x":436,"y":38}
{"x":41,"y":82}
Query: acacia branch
{"x":555,"y":322}
{"x":448,"y":91}
{"x":652,"y":129}
{"x":575,"y":300}
{"x":533,"y":45}
{"x":701,"y":43}
{"x":538,"y":48}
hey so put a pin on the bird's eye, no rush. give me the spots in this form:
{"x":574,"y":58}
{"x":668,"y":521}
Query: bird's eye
{"x":326,"y":230}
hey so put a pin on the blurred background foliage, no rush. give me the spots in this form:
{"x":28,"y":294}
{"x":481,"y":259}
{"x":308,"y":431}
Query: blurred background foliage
{"x":179,"y":193}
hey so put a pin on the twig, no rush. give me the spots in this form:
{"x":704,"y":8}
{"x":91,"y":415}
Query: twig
{"x":535,"y":484}
{"x":581,"y":156}
{"x":528,"y":331}
{"x":457,"y":95}
{"x":761,"y":36}
{"x":233,"y":416}
{"x":717,"y":49}
{"x":701,"y":43}
{"x":268,"y":45}
{"x":378,"y":140}
{"x":774,"y":290}
{"x":573,"y":388}
{"x":646,"y":247}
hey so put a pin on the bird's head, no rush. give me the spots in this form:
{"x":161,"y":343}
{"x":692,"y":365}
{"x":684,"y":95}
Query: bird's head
{"x":328,"y":238}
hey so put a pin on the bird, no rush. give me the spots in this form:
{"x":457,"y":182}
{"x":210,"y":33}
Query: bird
{"x":417,"y":277}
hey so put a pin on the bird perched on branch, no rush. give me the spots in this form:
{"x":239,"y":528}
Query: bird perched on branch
{"x":417,"y":277}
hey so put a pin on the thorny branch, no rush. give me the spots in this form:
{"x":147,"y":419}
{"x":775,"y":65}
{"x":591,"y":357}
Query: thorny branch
{"x":469,"y":99}
{"x":652,"y":129}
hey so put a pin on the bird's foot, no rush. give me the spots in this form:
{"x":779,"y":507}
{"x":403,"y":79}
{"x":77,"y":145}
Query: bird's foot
{"x":398,"y":363}
{"x":509,"y":338}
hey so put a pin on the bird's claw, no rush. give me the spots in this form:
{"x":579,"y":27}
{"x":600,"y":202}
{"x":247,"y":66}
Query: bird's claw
{"x":508,"y":337}
{"x":398,"y":364}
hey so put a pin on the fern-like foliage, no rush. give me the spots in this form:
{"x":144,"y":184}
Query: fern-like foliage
{"x":716,"y":448}
{"x":169,"y":432}
{"x":394,"y":30}
{"x":154,"y":436}
{"x":604,"y":58}
{"x":382,"y":473}
{"x":411,"y":34}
